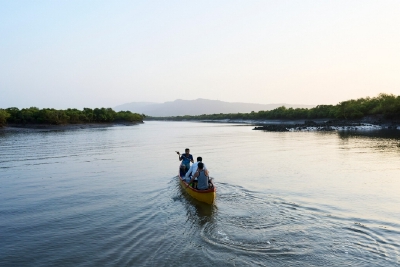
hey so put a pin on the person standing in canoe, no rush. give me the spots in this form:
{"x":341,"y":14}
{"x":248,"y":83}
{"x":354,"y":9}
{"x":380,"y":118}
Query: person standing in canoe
{"x":202,"y":177}
{"x":186,"y":159}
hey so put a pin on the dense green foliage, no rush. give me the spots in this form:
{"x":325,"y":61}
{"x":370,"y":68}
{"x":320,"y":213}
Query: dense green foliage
{"x":35,"y":115}
{"x":3,"y":117}
{"x":384,"y":104}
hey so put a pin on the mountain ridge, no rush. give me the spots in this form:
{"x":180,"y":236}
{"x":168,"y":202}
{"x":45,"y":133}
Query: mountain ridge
{"x":199,"y":106}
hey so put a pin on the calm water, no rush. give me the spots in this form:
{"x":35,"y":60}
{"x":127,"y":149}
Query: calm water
{"x":110,"y":196}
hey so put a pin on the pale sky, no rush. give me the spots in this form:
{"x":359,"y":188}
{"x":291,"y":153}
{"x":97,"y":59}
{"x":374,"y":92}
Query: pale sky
{"x":81,"y":53}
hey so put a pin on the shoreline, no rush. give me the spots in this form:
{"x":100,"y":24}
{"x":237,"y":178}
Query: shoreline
{"x":332,"y":125}
{"x":312,"y":126}
{"x":264,"y":125}
{"x":12,"y":127}
{"x":366,"y":124}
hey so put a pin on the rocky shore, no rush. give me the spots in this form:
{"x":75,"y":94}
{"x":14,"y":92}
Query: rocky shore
{"x":330,"y":125}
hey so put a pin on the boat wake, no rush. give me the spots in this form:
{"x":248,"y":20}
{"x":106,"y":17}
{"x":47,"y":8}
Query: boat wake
{"x":257,"y":227}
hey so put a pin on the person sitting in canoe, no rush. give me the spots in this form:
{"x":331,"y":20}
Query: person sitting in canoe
{"x":202,"y":177}
{"x":186,"y":159}
{"x":193,"y":169}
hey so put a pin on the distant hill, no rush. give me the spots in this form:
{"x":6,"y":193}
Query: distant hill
{"x":198,"y":107}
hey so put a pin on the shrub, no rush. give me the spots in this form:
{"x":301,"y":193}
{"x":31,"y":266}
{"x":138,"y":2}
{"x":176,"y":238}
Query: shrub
{"x":4,"y":115}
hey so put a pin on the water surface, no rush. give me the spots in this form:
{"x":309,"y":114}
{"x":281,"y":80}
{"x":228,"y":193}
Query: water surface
{"x":110,"y":196}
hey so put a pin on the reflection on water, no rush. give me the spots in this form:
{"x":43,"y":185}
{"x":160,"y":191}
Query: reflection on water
{"x":196,"y":211}
{"x":382,"y":140}
{"x":96,"y":197}
{"x":382,"y":134}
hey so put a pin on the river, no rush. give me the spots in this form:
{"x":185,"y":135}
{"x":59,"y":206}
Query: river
{"x":110,"y":197}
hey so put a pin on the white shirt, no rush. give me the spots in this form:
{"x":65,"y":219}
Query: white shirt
{"x":193,"y":169}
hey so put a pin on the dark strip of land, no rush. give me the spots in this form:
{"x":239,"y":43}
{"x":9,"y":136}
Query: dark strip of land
{"x":60,"y":127}
{"x":367,"y":123}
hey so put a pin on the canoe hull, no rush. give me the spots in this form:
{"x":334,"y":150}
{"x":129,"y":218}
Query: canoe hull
{"x":207,"y":196}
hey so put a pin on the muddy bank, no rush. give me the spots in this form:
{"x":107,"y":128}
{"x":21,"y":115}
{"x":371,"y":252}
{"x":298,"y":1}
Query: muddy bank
{"x":51,"y":127}
{"x":330,"y":125}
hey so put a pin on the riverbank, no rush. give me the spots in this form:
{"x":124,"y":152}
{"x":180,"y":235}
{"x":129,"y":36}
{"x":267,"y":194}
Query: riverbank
{"x":366,"y":123}
{"x":12,"y":127}
{"x":331,"y":125}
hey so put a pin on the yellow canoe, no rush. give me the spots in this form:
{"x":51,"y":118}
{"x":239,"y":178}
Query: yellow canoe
{"x":207,"y":196}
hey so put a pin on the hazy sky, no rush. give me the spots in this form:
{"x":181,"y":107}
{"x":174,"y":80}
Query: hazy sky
{"x":104,"y":53}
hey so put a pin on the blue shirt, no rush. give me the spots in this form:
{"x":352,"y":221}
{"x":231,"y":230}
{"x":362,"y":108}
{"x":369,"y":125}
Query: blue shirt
{"x":186,"y":159}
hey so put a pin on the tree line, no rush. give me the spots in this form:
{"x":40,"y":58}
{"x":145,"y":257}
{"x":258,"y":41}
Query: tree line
{"x":35,"y":115}
{"x":387,"y":105}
